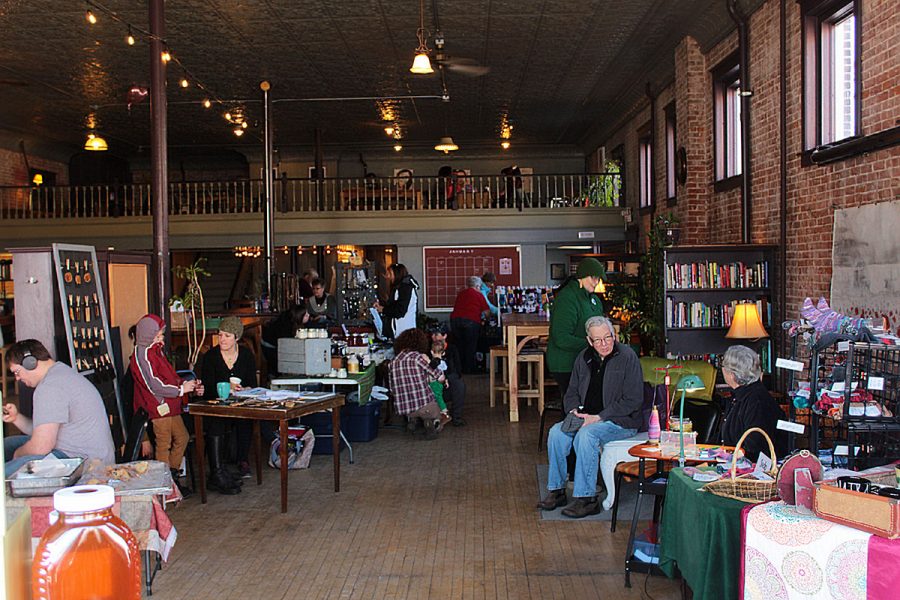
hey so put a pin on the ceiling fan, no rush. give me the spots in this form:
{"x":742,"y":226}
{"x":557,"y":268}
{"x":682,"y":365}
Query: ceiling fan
{"x":464,"y":66}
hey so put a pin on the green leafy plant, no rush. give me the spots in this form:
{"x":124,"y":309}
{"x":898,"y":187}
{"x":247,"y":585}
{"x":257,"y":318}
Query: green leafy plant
{"x":651,"y":288}
{"x":604,"y":189}
{"x":192,"y":302}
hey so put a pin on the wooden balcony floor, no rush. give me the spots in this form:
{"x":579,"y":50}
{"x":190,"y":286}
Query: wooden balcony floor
{"x":450,"y":518}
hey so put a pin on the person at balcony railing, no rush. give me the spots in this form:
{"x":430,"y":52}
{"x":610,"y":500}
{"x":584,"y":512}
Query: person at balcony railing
{"x":575,"y":303}
{"x":469,"y":309}
{"x":321,"y":306}
{"x":514,"y":196}
{"x":450,"y":180}
{"x":398,"y":313}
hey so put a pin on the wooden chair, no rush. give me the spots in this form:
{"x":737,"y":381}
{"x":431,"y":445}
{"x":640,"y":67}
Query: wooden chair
{"x":4,"y":372}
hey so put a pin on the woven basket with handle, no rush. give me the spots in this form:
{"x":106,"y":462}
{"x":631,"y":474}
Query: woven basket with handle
{"x":744,"y":487}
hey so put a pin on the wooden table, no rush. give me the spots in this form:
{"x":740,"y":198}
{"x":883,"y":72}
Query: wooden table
{"x":282,"y":415}
{"x":656,"y":488}
{"x":518,"y":330}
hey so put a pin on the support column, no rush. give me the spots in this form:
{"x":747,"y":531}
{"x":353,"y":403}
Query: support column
{"x":159,"y":165}
{"x":269,"y":224}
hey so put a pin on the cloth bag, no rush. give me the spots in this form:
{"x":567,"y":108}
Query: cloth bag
{"x":296,"y":460}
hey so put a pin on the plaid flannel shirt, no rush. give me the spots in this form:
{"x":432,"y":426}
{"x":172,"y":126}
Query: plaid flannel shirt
{"x":410,"y":375}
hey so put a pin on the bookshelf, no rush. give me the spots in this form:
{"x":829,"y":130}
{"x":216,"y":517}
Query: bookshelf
{"x":702,"y":284}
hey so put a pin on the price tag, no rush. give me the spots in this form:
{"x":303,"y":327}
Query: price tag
{"x":838,"y":386}
{"x":802,"y":394}
{"x":843,"y":346}
{"x":876,"y":383}
{"x":789,"y":426}
{"x":763,"y":464}
{"x":785,"y":363}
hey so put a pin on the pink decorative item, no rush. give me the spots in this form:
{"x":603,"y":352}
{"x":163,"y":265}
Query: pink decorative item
{"x":798,"y":460}
{"x":804,"y":490}
{"x":653,"y":428}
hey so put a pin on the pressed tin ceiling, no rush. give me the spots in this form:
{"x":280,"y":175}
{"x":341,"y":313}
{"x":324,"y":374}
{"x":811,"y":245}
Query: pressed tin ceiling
{"x":558,"y":67}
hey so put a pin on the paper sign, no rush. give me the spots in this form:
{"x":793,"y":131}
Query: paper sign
{"x":838,"y":386}
{"x":876,"y":383}
{"x":793,"y":365}
{"x":506,"y":266}
{"x":789,"y":426}
{"x":843,"y":346}
{"x":802,"y":394}
{"x":763,"y":464}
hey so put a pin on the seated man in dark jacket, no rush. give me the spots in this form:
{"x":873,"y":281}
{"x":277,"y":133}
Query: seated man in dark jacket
{"x":606,"y":390}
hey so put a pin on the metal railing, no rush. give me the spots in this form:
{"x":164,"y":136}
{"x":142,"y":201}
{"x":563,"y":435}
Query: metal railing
{"x":474,"y":192}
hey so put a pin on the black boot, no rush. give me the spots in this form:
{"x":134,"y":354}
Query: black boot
{"x":186,"y":492}
{"x":219,"y":479}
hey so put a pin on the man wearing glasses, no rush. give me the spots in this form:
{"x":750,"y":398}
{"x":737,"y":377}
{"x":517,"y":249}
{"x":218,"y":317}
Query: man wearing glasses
{"x":69,"y":417}
{"x":603,"y":404}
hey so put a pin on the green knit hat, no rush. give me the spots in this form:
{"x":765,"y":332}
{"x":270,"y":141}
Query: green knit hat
{"x":590,"y":267}
{"x":233,"y":326}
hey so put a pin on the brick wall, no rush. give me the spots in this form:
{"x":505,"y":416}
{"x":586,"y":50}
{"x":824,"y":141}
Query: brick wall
{"x":13,"y":171}
{"x":814,"y":192}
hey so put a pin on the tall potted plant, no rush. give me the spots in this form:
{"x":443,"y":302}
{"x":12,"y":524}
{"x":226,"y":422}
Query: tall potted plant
{"x":651,"y":292}
{"x":191,"y":302}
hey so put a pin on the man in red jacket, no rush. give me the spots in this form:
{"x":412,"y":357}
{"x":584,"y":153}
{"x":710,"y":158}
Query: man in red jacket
{"x":161,"y":392}
{"x":465,"y":321}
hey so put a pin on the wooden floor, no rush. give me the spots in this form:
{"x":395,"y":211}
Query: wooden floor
{"x":443,"y":519}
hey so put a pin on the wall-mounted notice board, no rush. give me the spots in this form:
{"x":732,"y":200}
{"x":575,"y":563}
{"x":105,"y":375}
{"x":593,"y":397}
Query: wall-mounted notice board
{"x":447,"y":267}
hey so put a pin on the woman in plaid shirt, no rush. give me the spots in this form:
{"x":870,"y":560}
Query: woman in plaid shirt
{"x":409,"y":378}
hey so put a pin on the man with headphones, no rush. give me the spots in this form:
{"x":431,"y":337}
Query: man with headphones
{"x":69,"y":417}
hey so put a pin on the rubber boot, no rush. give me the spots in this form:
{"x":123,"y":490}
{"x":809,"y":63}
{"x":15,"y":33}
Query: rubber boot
{"x":219,"y":479}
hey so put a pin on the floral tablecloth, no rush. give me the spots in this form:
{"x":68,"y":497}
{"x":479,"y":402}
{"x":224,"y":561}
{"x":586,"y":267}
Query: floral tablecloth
{"x":788,"y":555}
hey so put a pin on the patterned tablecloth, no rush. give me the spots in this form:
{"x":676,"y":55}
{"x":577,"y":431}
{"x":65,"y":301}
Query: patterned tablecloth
{"x":788,"y":555}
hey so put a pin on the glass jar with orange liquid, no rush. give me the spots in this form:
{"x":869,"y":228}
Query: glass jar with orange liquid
{"x":89,"y":553}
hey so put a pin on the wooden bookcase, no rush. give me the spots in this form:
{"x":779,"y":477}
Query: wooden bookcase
{"x":701,"y":285}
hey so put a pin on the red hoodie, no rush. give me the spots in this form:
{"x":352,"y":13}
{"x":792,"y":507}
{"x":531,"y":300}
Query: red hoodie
{"x":155,"y":381}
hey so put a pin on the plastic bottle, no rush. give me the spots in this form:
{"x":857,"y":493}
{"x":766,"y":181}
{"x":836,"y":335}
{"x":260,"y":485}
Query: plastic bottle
{"x":653,"y":430}
{"x":89,"y":553}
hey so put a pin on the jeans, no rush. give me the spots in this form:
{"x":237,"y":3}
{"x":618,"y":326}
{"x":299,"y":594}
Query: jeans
{"x":587,"y":442}
{"x":13,"y":443}
{"x":466,"y":333}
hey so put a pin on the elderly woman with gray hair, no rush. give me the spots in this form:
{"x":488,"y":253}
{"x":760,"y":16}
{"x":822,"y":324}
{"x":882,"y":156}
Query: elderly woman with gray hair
{"x":752,"y":406}
{"x":465,"y":321}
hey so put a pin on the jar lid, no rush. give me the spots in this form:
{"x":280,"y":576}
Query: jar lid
{"x":84,"y":498}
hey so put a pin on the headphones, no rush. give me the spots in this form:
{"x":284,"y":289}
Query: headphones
{"x":29,"y":362}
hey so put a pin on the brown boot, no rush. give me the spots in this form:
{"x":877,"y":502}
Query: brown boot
{"x":582,"y":507}
{"x":553,"y":500}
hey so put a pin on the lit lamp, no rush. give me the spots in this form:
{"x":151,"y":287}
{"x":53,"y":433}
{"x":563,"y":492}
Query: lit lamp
{"x":446,"y":145}
{"x":746,"y":324}
{"x":38,"y":179}
{"x":688,"y":383}
{"x":95,"y":143}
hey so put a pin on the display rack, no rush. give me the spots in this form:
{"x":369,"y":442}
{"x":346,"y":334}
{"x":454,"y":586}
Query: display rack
{"x":702,"y":284}
{"x":356,"y":291}
{"x":85,"y":322}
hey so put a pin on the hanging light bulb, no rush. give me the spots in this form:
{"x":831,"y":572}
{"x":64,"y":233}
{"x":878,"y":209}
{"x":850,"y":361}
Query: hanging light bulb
{"x":129,"y":39}
{"x":238,"y":131}
{"x":206,"y":103}
{"x":244,"y":124}
{"x":504,"y":144}
{"x":166,"y":56}
{"x":228,"y":116}
{"x":389,"y":130}
{"x":398,"y":147}
{"x":91,"y":18}
{"x":421,"y":64}
{"x":184,"y":82}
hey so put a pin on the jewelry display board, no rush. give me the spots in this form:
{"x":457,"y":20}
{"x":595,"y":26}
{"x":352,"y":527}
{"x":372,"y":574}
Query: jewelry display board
{"x":86,"y":323}
{"x":356,"y":291}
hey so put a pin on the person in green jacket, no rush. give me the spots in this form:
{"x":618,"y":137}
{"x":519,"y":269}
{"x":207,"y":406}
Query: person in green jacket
{"x":575,"y":303}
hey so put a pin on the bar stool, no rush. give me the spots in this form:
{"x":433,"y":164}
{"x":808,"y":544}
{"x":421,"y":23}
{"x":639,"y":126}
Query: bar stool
{"x":500,"y":384}
{"x":498,"y":352}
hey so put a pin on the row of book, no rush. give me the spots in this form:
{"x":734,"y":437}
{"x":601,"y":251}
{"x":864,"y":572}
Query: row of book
{"x":701,"y":314}
{"x":712,"y":275}
{"x":765,"y":358}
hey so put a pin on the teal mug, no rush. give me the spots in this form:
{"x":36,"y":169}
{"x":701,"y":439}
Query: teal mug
{"x":223,"y":389}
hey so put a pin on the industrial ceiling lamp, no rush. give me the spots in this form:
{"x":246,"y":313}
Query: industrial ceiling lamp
{"x":446,"y":145}
{"x":95,"y":143}
{"x":421,"y":63}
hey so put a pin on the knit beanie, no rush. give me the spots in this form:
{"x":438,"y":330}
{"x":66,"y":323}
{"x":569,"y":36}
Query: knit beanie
{"x":233,"y":326}
{"x":590,"y":267}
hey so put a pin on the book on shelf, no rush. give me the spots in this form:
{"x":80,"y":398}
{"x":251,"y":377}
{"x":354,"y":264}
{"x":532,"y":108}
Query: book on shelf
{"x":712,"y":275}
{"x":702,"y":314}
{"x":765,"y":357}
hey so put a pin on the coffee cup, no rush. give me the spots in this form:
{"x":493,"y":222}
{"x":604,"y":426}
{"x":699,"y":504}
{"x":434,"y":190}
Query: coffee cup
{"x":223,"y":389}
{"x":302,"y":334}
{"x":235,"y":383}
{"x":342,"y":373}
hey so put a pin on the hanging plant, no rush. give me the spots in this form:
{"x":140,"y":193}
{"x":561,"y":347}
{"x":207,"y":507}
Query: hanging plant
{"x":191,"y":302}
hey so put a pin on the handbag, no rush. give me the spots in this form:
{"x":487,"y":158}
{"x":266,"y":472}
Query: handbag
{"x":571,"y":423}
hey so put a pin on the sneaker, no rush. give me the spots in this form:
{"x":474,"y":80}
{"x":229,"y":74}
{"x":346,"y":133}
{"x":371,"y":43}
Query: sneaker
{"x":582,"y":507}
{"x":244,"y":469}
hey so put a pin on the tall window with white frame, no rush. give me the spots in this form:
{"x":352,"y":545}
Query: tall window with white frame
{"x":727,"y":118}
{"x":645,"y":165}
{"x":670,"y":151}
{"x":830,"y":71}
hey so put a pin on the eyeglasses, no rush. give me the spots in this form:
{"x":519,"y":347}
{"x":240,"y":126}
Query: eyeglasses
{"x":16,"y":371}
{"x":604,"y":340}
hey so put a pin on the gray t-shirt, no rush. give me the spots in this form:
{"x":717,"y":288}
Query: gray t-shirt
{"x":67,"y":398}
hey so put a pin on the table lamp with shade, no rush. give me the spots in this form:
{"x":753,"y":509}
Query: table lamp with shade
{"x":688,"y":383}
{"x":746,"y":323}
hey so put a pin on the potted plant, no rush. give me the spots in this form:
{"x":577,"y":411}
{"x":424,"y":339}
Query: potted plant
{"x":652,"y":301}
{"x":190,"y":303}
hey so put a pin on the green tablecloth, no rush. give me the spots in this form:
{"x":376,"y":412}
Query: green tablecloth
{"x":701,"y":532}
{"x":366,"y":379}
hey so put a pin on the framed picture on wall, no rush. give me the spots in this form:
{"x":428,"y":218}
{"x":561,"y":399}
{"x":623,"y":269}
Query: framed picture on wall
{"x":557,"y":271}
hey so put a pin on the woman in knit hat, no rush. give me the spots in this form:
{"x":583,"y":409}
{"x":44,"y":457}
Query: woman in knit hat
{"x":574,"y":304}
{"x":222,"y":363}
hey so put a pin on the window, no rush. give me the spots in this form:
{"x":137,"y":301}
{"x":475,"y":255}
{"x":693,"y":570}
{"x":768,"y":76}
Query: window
{"x":670,"y":151}
{"x":645,"y":156}
{"x":727,"y":118}
{"x":830,"y":72}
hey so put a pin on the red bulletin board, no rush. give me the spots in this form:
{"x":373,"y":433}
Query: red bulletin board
{"x":447,"y":267}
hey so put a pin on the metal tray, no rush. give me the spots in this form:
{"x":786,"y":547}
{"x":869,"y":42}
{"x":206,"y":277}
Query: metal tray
{"x":23,"y":487}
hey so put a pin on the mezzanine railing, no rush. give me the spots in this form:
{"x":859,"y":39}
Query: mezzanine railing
{"x":478,"y":192}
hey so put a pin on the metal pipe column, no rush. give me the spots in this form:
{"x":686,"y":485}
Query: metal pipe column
{"x":269,"y":224}
{"x":159,"y":167}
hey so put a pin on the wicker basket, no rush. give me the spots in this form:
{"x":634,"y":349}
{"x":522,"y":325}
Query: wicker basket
{"x":744,"y":487}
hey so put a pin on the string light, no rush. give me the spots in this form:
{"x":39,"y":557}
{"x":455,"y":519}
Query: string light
{"x":247,"y":251}
{"x":244,"y":125}
{"x":504,"y":144}
{"x":166,"y":56}
{"x":389,"y":130}
{"x":238,"y":131}
{"x":206,"y":103}
{"x":129,"y":39}
{"x":398,"y":147}
{"x":184,"y":82}
{"x":91,"y":18}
